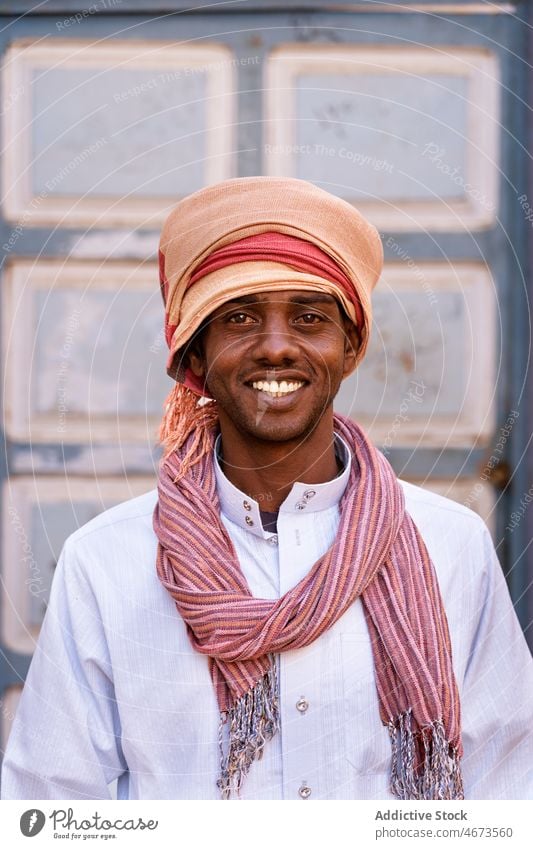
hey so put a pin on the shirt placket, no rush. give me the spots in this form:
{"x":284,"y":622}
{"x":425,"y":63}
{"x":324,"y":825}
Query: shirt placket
{"x":298,"y":672}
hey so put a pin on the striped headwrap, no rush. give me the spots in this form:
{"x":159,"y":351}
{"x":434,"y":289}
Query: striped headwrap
{"x":378,"y":556}
{"x":208,"y":234}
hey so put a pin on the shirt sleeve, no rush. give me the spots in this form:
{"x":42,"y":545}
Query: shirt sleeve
{"x":497,"y":694}
{"x":65,"y":739}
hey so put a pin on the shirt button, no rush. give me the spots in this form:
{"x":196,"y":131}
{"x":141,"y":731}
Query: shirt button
{"x":246,"y":505}
{"x":309,"y":493}
{"x":305,"y":791}
{"x":301,"y":505}
{"x":302,"y":705}
{"x":248,"y":521}
{"x":273,"y":540}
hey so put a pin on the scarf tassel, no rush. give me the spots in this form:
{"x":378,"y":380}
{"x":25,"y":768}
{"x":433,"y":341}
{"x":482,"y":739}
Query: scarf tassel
{"x":252,"y":721}
{"x":437,"y":774}
{"x":187,"y":417}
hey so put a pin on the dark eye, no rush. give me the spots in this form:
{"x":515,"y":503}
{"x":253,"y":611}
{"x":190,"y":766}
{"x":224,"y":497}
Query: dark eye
{"x":310,"y":318}
{"x":239,"y":318}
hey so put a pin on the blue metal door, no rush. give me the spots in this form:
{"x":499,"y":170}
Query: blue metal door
{"x":112,"y":111}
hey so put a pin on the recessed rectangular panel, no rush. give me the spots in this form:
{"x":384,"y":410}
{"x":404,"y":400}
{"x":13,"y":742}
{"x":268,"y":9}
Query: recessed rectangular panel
{"x":111,"y":131}
{"x":95,"y":370}
{"x":428,"y":376}
{"x":38,"y":515}
{"x":409,"y":135}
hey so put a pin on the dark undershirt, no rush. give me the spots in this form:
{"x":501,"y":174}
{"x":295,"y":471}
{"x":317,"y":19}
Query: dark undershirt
{"x":269,"y":521}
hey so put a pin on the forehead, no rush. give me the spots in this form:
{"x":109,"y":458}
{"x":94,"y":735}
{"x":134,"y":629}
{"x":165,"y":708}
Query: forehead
{"x":306,"y":298}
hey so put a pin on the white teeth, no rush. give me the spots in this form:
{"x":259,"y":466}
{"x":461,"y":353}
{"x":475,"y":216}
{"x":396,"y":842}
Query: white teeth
{"x":277,"y":389}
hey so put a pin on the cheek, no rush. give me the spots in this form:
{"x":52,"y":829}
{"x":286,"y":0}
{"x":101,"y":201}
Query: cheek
{"x":331,"y":352}
{"x":222,"y":357}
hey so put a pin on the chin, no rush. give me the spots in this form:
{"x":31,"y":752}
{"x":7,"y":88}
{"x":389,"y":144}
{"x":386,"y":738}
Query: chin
{"x":279,"y":431}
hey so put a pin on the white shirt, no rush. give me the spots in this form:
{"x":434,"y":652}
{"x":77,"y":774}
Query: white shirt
{"x":115,"y":690}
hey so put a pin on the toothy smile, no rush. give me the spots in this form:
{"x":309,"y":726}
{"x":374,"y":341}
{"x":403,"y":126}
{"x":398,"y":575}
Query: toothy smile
{"x":277,"y":390}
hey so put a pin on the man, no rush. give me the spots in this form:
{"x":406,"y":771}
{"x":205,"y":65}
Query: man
{"x":283,"y":618}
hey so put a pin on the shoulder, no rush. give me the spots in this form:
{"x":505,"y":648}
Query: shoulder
{"x":428,"y":506}
{"x":136,"y":512}
{"x":116,"y":537}
{"x":106,"y":578}
{"x":457,"y":539}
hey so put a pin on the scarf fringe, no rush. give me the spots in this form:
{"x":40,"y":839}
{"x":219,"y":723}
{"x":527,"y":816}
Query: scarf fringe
{"x":438,"y":776}
{"x":253,"y":720}
{"x":187,"y":416}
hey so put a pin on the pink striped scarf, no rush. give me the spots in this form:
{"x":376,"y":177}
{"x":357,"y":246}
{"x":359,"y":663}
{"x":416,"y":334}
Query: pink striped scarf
{"x":379,"y":556}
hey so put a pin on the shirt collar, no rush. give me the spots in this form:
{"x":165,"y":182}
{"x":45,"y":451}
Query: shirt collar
{"x":303,"y":497}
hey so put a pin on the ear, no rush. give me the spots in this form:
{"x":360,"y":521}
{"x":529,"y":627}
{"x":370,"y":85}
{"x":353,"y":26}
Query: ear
{"x":352,"y":340}
{"x":195,"y":358}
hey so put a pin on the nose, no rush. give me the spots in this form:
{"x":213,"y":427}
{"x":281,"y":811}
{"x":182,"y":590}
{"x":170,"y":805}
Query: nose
{"x":276,"y":342}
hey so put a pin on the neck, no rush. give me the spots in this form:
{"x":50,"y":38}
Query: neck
{"x":266,"y":471}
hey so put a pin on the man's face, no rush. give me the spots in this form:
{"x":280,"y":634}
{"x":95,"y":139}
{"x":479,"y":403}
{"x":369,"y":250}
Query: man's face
{"x":274,"y":361}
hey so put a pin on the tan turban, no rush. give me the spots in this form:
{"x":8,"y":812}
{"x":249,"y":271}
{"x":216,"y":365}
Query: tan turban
{"x":228,"y":212}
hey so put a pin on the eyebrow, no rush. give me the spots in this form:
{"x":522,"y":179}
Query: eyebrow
{"x":303,"y":300}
